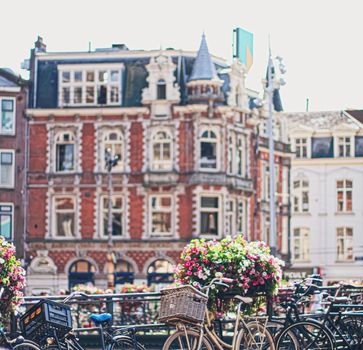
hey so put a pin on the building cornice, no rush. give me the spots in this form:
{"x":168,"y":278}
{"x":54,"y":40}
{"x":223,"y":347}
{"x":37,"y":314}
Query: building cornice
{"x":56,"y":112}
{"x":318,"y":162}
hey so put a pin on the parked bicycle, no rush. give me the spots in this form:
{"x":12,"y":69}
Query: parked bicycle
{"x":49,"y":324}
{"x":330,"y":329}
{"x":18,"y":343}
{"x":186,"y":307}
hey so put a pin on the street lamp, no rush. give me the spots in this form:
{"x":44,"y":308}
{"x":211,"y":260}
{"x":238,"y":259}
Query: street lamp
{"x":110,"y":162}
{"x":273,"y":83}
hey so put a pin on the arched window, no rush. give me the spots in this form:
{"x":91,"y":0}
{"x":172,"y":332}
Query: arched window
{"x":160,"y":272}
{"x":161,"y":90}
{"x":301,"y":196}
{"x":161,"y":157}
{"x":64,"y":149}
{"x":81,"y":272}
{"x":123,"y":272}
{"x":208,"y":150}
{"x":113,"y":140}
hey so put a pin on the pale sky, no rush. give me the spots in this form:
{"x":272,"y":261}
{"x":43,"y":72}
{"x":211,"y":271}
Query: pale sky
{"x":320,"y":40}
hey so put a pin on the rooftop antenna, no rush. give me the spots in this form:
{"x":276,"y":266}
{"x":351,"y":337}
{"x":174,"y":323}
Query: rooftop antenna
{"x":307,"y":104}
{"x":89,"y":46}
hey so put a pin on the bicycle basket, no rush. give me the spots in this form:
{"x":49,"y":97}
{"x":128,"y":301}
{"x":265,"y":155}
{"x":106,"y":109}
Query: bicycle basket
{"x":183,"y":303}
{"x":44,"y":319}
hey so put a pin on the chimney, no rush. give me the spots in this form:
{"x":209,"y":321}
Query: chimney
{"x":39,"y":45}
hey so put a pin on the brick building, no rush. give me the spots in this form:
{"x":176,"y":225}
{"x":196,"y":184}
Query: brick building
{"x":13,"y":97}
{"x":186,"y":139}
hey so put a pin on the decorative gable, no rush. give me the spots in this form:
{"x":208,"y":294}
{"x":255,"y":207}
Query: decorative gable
{"x":161,"y":80}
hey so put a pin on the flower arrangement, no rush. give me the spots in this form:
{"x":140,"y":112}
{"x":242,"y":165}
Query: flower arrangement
{"x":250,"y":265}
{"x":12,"y":280}
{"x":134,"y":288}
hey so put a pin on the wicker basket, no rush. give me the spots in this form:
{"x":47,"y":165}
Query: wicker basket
{"x":183,"y":303}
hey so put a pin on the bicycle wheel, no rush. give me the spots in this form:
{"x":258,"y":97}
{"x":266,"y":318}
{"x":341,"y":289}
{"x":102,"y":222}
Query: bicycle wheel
{"x":276,"y":328}
{"x":187,"y":340}
{"x":26,"y":345}
{"x":310,"y":335}
{"x":125,"y":342}
{"x":255,"y":336}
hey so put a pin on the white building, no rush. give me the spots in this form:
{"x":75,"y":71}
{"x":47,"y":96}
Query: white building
{"x":326,"y":232}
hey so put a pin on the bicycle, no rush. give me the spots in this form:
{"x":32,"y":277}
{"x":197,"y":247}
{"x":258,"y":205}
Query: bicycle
{"x":201,"y":335}
{"x":18,"y":343}
{"x":334,"y":329}
{"x":111,"y":338}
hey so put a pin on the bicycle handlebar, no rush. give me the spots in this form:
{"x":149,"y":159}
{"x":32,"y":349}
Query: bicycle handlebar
{"x":216,"y":280}
{"x":73,"y":294}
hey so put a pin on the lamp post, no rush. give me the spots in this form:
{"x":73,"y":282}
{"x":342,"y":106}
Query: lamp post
{"x":272,"y":84}
{"x":110,"y":162}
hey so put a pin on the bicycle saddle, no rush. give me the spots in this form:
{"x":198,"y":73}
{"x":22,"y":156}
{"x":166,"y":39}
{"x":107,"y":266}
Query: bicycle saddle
{"x":97,"y":319}
{"x":245,"y":300}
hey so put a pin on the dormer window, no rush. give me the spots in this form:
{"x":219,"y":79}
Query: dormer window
{"x":161,"y":90}
{"x":89,"y":85}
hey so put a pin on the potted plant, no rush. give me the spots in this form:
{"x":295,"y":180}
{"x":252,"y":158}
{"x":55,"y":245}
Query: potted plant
{"x":251,"y":266}
{"x":12,"y":281}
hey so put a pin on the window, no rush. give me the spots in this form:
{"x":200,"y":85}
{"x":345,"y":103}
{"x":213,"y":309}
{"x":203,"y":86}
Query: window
{"x":322,"y":147}
{"x":161,"y":90}
{"x":113,"y":141}
{"x":210,"y":215}
{"x":301,"y":244}
{"x":90,"y":86}
{"x":208,"y":150}
{"x":7,"y":109}
{"x":160,"y":272}
{"x":301,"y":196}
{"x":344,"y":244}
{"x":344,"y":146}
{"x":6,"y":168}
{"x":240,"y":156}
{"x":161,"y":151}
{"x":64,"y":216}
{"x":242,"y":217}
{"x":232,"y":222}
{"x":81,"y":272}
{"x":359,"y":146}
{"x":123,"y":272}
{"x":65,"y":151}
{"x":161,"y":215}
{"x":231,"y":152}
{"x":6,"y":220}
{"x":344,"y":196}
{"x":117,"y":210}
{"x":301,"y":147}
{"x":265,"y":180}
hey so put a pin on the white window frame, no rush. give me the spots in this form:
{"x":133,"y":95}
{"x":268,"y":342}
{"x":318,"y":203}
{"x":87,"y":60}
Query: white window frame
{"x":209,"y":139}
{"x":104,"y":210}
{"x":301,"y":144}
{"x":12,"y":215}
{"x":218,"y":210}
{"x":302,"y":240}
{"x":162,"y":210}
{"x":240,"y":156}
{"x":344,"y":142}
{"x":13,"y":130}
{"x":96,"y":69}
{"x":345,"y":241}
{"x":121,"y":140}
{"x":61,"y":133}
{"x":54,"y":232}
{"x":12,"y":184}
{"x":161,"y":164}
{"x":345,"y":191}
{"x":298,"y":194}
{"x":231,"y":153}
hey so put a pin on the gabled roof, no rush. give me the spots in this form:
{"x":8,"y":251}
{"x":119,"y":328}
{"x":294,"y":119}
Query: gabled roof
{"x":203,"y":67}
{"x":9,"y":79}
{"x":356,"y":114}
